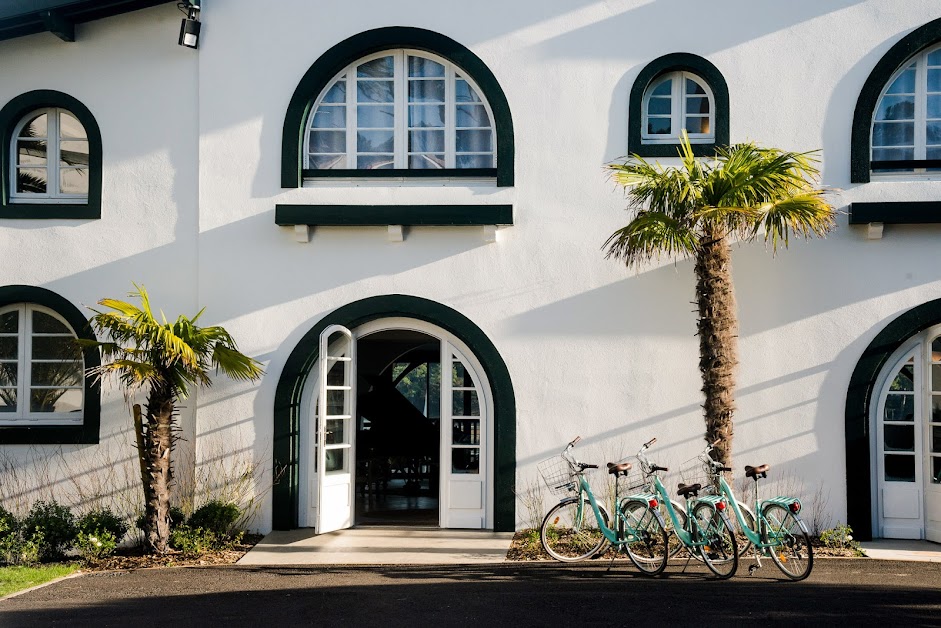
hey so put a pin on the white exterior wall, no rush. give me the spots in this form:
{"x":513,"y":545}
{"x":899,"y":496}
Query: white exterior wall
{"x":592,"y":348}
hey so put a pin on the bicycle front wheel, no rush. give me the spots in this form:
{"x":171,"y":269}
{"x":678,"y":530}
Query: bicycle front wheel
{"x":792,"y":551}
{"x":720,"y":548}
{"x":571,"y":534}
{"x":648,"y":549}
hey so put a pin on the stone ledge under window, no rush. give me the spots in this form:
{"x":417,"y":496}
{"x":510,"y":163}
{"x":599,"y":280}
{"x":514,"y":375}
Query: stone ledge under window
{"x":45,"y":211}
{"x":386,"y":215}
{"x":896,"y":213}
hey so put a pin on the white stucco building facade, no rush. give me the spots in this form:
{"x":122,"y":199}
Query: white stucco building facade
{"x":216,"y":191}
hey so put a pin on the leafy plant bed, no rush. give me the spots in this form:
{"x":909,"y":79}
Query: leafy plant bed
{"x":526,"y":546}
{"x":134,"y":558}
{"x":17,"y":578}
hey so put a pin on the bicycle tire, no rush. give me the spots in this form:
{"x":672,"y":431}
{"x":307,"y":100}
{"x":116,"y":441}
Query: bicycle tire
{"x":792,"y":553}
{"x":568,"y":540}
{"x":650,"y":551}
{"x":720,"y":548}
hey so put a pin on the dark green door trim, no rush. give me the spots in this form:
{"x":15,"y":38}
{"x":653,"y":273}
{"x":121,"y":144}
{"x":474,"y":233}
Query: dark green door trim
{"x":904,"y":49}
{"x":859,"y":398}
{"x":349,"y":50}
{"x":87,"y":432}
{"x":287,"y":404}
{"x":10,"y":115}
{"x":677,"y":62}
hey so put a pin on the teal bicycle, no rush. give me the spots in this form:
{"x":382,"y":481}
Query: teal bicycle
{"x":777,"y":531}
{"x":578,"y":526}
{"x":704,"y":529}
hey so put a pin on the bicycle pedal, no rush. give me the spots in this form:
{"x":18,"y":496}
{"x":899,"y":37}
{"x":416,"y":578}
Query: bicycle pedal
{"x":752,"y":569}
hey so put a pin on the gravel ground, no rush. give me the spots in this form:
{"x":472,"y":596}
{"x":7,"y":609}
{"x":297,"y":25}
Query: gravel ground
{"x":838,"y":592}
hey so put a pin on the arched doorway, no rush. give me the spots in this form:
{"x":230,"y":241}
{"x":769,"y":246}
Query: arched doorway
{"x":292,"y":464}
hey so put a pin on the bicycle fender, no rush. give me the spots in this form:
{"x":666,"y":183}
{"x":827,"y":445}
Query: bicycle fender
{"x":783,"y":501}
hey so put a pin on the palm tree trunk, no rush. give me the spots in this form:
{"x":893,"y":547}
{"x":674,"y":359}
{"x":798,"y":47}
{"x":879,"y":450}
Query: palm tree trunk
{"x":718,"y":339}
{"x":158,"y":443}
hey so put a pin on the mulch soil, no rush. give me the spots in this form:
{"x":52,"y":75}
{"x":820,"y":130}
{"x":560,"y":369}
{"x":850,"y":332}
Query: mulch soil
{"x":134,"y":558}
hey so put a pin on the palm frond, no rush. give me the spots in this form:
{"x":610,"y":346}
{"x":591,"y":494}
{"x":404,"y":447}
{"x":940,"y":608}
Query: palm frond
{"x":648,"y":236}
{"x":807,"y":214}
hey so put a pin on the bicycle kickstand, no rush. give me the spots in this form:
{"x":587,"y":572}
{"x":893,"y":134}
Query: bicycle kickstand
{"x":755,"y":567}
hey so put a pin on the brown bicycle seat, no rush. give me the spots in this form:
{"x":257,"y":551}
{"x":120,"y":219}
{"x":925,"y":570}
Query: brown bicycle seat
{"x":685,"y":491}
{"x":754,"y":471}
{"x":619,"y":469}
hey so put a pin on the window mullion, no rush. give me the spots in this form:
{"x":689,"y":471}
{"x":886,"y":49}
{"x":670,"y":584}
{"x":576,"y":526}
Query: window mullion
{"x":352,"y":123}
{"x":450,"y":117}
{"x":53,"y":141}
{"x":921,"y":103}
{"x":676,"y":106}
{"x":400,"y":132}
{"x":25,"y":354}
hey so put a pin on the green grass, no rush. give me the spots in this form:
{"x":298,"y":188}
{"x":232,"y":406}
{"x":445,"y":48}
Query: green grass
{"x":19,"y":578}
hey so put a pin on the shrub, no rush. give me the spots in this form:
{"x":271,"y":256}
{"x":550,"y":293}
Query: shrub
{"x":841,"y":537}
{"x":193,"y":541}
{"x":217,"y":516}
{"x":8,"y":523}
{"x":17,"y":550}
{"x":103,"y":520}
{"x":55,"y":523}
{"x":96,"y":544}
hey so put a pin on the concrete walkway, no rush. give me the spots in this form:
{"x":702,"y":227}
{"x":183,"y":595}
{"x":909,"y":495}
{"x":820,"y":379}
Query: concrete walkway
{"x":896,"y":549}
{"x":380,"y":546}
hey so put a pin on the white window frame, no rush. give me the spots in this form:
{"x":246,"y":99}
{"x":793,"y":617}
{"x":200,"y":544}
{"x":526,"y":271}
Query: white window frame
{"x":400,"y":102}
{"x":23,"y":415}
{"x":53,"y":147}
{"x":678,"y":110}
{"x":920,"y":139}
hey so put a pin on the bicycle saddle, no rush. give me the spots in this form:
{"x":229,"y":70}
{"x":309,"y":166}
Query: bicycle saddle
{"x":685,"y":491}
{"x":619,"y":469}
{"x":754,"y":471}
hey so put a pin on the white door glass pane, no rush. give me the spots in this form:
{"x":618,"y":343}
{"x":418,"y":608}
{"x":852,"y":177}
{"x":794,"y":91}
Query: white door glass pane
{"x":374,"y":141}
{"x":899,"y":468}
{"x":31,"y":153}
{"x":9,"y":347}
{"x":899,"y":407}
{"x":73,"y":181}
{"x":60,"y":374}
{"x":329,"y":117}
{"x":9,"y":322}
{"x":905,"y":83}
{"x":335,"y":460}
{"x":335,"y":433}
{"x":36,"y":126}
{"x":474,"y":161}
{"x":375,"y":91}
{"x":45,"y":324}
{"x":935,"y":439}
{"x":337,"y":93}
{"x":8,"y":374}
{"x":899,"y":437}
{"x":904,"y":379}
{"x":897,"y":108}
{"x":467,"y":432}
{"x":44,"y":400}
{"x":472,"y":116}
{"x":426,"y":91}
{"x":465,"y":460}
{"x":422,"y":67}
{"x":936,"y":469}
{"x":70,"y":127}
{"x":8,"y":400}
{"x":936,"y":377}
{"x":465,"y":403}
{"x":377,"y":68}
{"x":31,"y":180}
{"x":936,"y":408}
{"x":55,"y":348}
{"x":375,"y":116}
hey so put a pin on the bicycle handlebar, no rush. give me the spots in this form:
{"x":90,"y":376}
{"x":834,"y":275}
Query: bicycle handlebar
{"x":649,"y":443}
{"x":575,"y":441}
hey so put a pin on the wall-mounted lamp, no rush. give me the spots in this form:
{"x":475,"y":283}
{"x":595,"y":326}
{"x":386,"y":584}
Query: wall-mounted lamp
{"x":189,"y":29}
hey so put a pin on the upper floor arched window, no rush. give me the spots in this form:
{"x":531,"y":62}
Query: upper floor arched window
{"x":398,"y":102}
{"x":676,"y":92}
{"x":51,"y":162}
{"x":401,"y":109}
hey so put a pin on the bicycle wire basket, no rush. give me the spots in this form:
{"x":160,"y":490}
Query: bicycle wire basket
{"x":558,"y":475}
{"x":697,"y":471}
{"x":635,"y":481}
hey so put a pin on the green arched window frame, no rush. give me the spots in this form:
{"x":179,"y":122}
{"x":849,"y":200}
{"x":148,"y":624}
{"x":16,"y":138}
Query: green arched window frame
{"x":333,"y":61}
{"x":677,"y":62}
{"x":10,"y":116}
{"x":87,"y":432}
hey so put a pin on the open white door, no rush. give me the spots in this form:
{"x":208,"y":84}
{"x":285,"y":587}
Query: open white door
{"x":932,"y":446}
{"x":336,"y":431}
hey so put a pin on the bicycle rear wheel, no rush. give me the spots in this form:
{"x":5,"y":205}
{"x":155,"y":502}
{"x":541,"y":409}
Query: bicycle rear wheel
{"x":569,"y":535}
{"x":792,"y":552}
{"x":744,"y":543}
{"x":649,"y":549}
{"x":720,"y":548}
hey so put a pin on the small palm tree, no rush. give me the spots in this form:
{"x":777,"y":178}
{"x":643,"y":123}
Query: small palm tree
{"x":693,"y":210}
{"x":165,"y":360}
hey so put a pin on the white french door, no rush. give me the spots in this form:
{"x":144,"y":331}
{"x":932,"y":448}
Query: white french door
{"x":336,"y":430}
{"x":908,"y":443}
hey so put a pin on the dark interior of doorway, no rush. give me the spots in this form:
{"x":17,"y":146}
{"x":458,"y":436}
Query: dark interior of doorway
{"x":398,"y":428}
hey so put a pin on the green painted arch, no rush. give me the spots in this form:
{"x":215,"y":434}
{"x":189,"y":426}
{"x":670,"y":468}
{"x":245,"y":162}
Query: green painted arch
{"x":10,"y":115}
{"x":349,"y":50}
{"x":87,"y":432}
{"x":859,"y":398}
{"x":677,"y":62}
{"x":910,"y":45}
{"x":287,"y":404}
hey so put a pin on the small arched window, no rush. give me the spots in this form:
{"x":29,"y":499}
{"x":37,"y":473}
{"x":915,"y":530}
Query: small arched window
{"x":50,"y":158}
{"x":675,"y":102}
{"x":401,"y":110}
{"x":906,"y":125}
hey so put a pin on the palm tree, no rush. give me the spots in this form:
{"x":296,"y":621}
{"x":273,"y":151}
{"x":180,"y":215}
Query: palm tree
{"x":165,"y":360}
{"x":694,"y":210}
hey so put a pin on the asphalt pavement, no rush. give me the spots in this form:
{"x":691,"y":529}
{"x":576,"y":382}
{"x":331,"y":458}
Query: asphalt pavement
{"x":858,"y":592}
